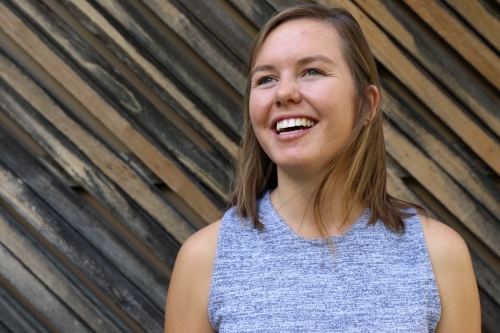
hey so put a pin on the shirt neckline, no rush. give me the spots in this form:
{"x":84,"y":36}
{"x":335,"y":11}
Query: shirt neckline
{"x":272,"y":217}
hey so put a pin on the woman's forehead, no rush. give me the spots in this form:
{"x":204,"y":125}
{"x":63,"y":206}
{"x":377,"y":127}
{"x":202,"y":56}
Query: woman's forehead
{"x":299,"y":38}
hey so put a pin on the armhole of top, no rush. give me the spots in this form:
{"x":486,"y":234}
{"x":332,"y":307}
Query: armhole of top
{"x":432,"y":288}
{"x":216,"y":256}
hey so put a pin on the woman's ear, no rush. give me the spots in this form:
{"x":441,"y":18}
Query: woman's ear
{"x":373,"y":98}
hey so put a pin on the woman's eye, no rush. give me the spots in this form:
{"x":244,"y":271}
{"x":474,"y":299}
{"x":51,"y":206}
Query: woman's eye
{"x":312,"y":72}
{"x":264,"y":80}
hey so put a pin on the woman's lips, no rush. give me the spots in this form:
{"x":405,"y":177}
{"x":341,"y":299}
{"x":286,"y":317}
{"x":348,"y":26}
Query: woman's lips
{"x":291,"y":125}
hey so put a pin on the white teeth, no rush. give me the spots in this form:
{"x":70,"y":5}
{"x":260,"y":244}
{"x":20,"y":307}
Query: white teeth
{"x":294,"y":122}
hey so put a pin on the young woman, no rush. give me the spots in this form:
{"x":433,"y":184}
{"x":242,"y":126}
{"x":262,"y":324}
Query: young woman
{"x":313,"y":243}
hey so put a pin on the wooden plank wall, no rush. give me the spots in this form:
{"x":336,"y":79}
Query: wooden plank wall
{"x":119,"y":122}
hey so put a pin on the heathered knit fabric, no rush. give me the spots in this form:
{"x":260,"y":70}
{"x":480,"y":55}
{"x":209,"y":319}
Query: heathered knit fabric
{"x":273,"y":280}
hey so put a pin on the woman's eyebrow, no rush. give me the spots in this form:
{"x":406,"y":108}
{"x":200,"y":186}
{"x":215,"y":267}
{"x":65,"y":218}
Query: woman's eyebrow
{"x":302,"y":61}
{"x":314,"y":58}
{"x":261,"y":68}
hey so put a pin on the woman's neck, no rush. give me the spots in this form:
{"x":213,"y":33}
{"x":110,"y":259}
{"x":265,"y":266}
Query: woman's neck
{"x":294,"y":201}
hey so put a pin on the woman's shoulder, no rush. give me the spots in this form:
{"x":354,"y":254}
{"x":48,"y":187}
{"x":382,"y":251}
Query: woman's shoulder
{"x":201,"y":245}
{"x":441,"y":239}
{"x":452,"y":266}
{"x":187,"y":298}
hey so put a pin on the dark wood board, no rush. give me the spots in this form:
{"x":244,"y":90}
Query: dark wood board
{"x":430,"y":141}
{"x":137,"y":42}
{"x":470,"y":47}
{"x":117,"y":91}
{"x":114,"y":167}
{"x":63,"y":237}
{"x":149,"y":153}
{"x":489,"y":314}
{"x":82,"y":218}
{"x":257,"y":11}
{"x":210,"y":49}
{"x":90,"y":177}
{"x":15,"y":318}
{"x":216,"y":20}
{"x":441,"y":61}
{"x":39,"y":295}
{"x":55,"y":277}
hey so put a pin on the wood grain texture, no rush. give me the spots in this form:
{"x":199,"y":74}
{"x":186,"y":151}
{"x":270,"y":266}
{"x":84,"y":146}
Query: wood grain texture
{"x":129,"y":102}
{"x":477,"y":14}
{"x":458,"y":36}
{"x":24,"y":248}
{"x":451,"y":195}
{"x":397,"y":188}
{"x":81,"y":169}
{"x":258,"y":12}
{"x":82,"y":218}
{"x":115,"y":168}
{"x":79,"y":251}
{"x":203,"y":44}
{"x":490,"y":320}
{"x":441,"y":152}
{"x":39,"y":295}
{"x":15,"y":318}
{"x":487,"y":277}
{"x":153,"y":71}
{"x":429,"y":52}
{"x":157,"y":161}
{"x":218,"y":23}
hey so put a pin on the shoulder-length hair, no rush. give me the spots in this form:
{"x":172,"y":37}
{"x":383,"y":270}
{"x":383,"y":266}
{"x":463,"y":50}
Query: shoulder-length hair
{"x":363,"y":156}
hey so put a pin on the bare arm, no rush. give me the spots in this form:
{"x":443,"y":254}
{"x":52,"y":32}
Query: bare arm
{"x":450,"y":258}
{"x":187,"y":299}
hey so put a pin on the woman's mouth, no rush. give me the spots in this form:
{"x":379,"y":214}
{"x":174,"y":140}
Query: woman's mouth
{"x":293,"y":125}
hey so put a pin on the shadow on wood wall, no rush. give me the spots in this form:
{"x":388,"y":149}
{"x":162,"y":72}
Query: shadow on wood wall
{"x":120,"y":120}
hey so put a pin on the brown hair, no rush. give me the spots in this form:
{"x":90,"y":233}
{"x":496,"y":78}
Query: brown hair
{"x":364,"y":152}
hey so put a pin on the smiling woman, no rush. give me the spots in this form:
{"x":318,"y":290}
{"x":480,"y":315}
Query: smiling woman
{"x":313,"y":242}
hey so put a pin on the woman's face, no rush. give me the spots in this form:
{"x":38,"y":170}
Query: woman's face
{"x":302,"y":98}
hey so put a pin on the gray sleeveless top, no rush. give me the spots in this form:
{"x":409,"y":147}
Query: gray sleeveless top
{"x":273,"y":280}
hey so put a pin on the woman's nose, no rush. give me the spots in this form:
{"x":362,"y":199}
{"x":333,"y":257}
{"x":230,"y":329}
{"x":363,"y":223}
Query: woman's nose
{"x":287,"y":92}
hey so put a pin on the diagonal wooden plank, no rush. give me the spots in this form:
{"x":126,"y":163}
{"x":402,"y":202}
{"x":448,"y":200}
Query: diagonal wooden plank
{"x":155,"y":76}
{"x":436,"y":59}
{"x":384,"y":50}
{"x":209,"y":48}
{"x":397,"y":188}
{"x":433,"y":144}
{"x":487,"y":277}
{"x":449,"y":193}
{"x":159,"y":163}
{"x":258,"y":12}
{"x":221,"y":25}
{"x":115,"y":168}
{"x":39,"y":295}
{"x":459,"y":37}
{"x":490,"y":321}
{"x":480,"y":17}
{"x":278,"y":4}
{"x":115,"y":89}
{"x":82,"y":218}
{"x":16,"y":318}
{"x":33,"y":256}
{"x":97,"y":269}
{"x":85,"y":173}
